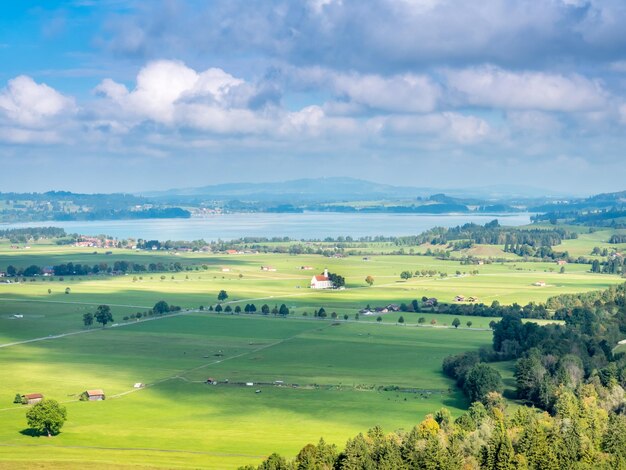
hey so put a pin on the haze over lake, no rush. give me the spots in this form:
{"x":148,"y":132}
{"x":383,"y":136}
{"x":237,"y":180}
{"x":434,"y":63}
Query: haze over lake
{"x":309,"y":225}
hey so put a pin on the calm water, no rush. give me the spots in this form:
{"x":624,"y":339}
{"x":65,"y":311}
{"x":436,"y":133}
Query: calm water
{"x":311,"y":225}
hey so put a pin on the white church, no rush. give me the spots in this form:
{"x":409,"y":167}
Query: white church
{"x":321,"y":281}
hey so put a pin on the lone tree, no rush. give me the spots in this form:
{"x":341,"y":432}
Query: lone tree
{"x":283,"y":311}
{"x":161,"y":307}
{"x":406,"y":275}
{"x":88,"y":319}
{"x":469,"y":323}
{"x":46,"y":417}
{"x":337,"y":280}
{"x":103,"y":315}
{"x":456,"y":322}
{"x":401,"y":319}
{"x":379,"y":319}
{"x":223,"y":295}
{"x":369,"y":280}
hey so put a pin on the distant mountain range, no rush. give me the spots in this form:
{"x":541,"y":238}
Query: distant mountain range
{"x":333,"y":194}
{"x":338,"y":189}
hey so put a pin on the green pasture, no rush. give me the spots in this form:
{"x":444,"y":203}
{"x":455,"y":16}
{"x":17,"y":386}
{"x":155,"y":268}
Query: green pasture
{"x":56,"y":312}
{"x":180,"y":421}
{"x":339,"y":368}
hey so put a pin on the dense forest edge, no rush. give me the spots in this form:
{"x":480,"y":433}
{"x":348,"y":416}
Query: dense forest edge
{"x":570,"y":376}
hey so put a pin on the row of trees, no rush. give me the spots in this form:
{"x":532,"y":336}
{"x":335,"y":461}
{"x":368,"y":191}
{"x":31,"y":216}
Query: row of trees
{"x":78,"y":269}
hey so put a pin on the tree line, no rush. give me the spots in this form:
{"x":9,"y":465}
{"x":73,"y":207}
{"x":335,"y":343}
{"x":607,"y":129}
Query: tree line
{"x":78,"y":269}
{"x":581,"y":434}
{"x":570,"y":373}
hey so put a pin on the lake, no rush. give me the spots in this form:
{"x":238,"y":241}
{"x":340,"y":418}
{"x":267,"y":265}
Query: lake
{"x":308,"y":225}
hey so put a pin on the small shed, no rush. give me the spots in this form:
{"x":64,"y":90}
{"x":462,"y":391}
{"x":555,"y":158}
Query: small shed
{"x":459,"y":298}
{"x":211,"y":381}
{"x":139,"y":385}
{"x":95,"y":395}
{"x":31,"y":398}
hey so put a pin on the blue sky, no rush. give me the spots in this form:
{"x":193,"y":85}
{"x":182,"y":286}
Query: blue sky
{"x":115,"y":95}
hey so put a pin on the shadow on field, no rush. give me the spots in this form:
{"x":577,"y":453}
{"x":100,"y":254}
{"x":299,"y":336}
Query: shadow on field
{"x":29,"y":432}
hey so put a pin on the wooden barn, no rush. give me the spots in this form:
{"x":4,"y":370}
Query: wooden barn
{"x":31,"y":398}
{"x":95,"y":395}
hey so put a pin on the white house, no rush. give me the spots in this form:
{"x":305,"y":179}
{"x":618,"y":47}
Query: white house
{"x":321,"y":281}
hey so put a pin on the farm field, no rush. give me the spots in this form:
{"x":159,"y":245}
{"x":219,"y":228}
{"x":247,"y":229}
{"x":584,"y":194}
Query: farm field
{"x":330,"y":374}
{"x":338,"y":369}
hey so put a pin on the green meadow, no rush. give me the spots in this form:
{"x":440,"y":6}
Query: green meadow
{"x":310,"y":377}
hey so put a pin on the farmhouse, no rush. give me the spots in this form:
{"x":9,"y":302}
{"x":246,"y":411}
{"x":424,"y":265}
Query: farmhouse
{"x":561,"y":262}
{"x":268,"y":268}
{"x":31,"y":398}
{"x":431,"y":302}
{"x":2,"y":274}
{"x":94,"y":395}
{"x":47,"y":271}
{"x":321,"y":281}
{"x":233,"y":252}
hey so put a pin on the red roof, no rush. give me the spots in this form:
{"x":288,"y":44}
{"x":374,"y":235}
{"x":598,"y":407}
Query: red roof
{"x":31,"y":396}
{"x":321,"y":278}
{"x":95,"y":393}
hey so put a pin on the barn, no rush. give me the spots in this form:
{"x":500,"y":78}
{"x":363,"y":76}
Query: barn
{"x":94,"y":395}
{"x":31,"y":398}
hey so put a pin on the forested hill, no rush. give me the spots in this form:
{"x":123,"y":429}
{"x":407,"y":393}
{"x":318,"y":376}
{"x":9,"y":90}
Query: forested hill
{"x":63,"y":205}
{"x":602,"y":210}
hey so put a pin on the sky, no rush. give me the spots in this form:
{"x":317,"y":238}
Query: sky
{"x":131,"y":96}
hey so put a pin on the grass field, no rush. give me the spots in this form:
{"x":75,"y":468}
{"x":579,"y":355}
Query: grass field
{"x":338,"y":370}
{"x":332,"y":373}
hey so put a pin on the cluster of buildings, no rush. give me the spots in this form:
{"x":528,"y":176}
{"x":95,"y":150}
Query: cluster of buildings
{"x":87,"y":395}
{"x":462,"y":298}
{"x":95,"y":242}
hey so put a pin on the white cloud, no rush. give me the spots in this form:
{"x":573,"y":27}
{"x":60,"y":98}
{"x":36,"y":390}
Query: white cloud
{"x":403,"y":93}
{"x":466,"y":129}
{"x":395,"y":93}
{"x":317,"y":6}
{"x":447,"y":127}
{"x":164,"y":85}
{"x":30,"y":104}
{"x":536,"y":122}
{"x":312,"y":121}
{"x":494,"y":87}
{"x":16,"y":135}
